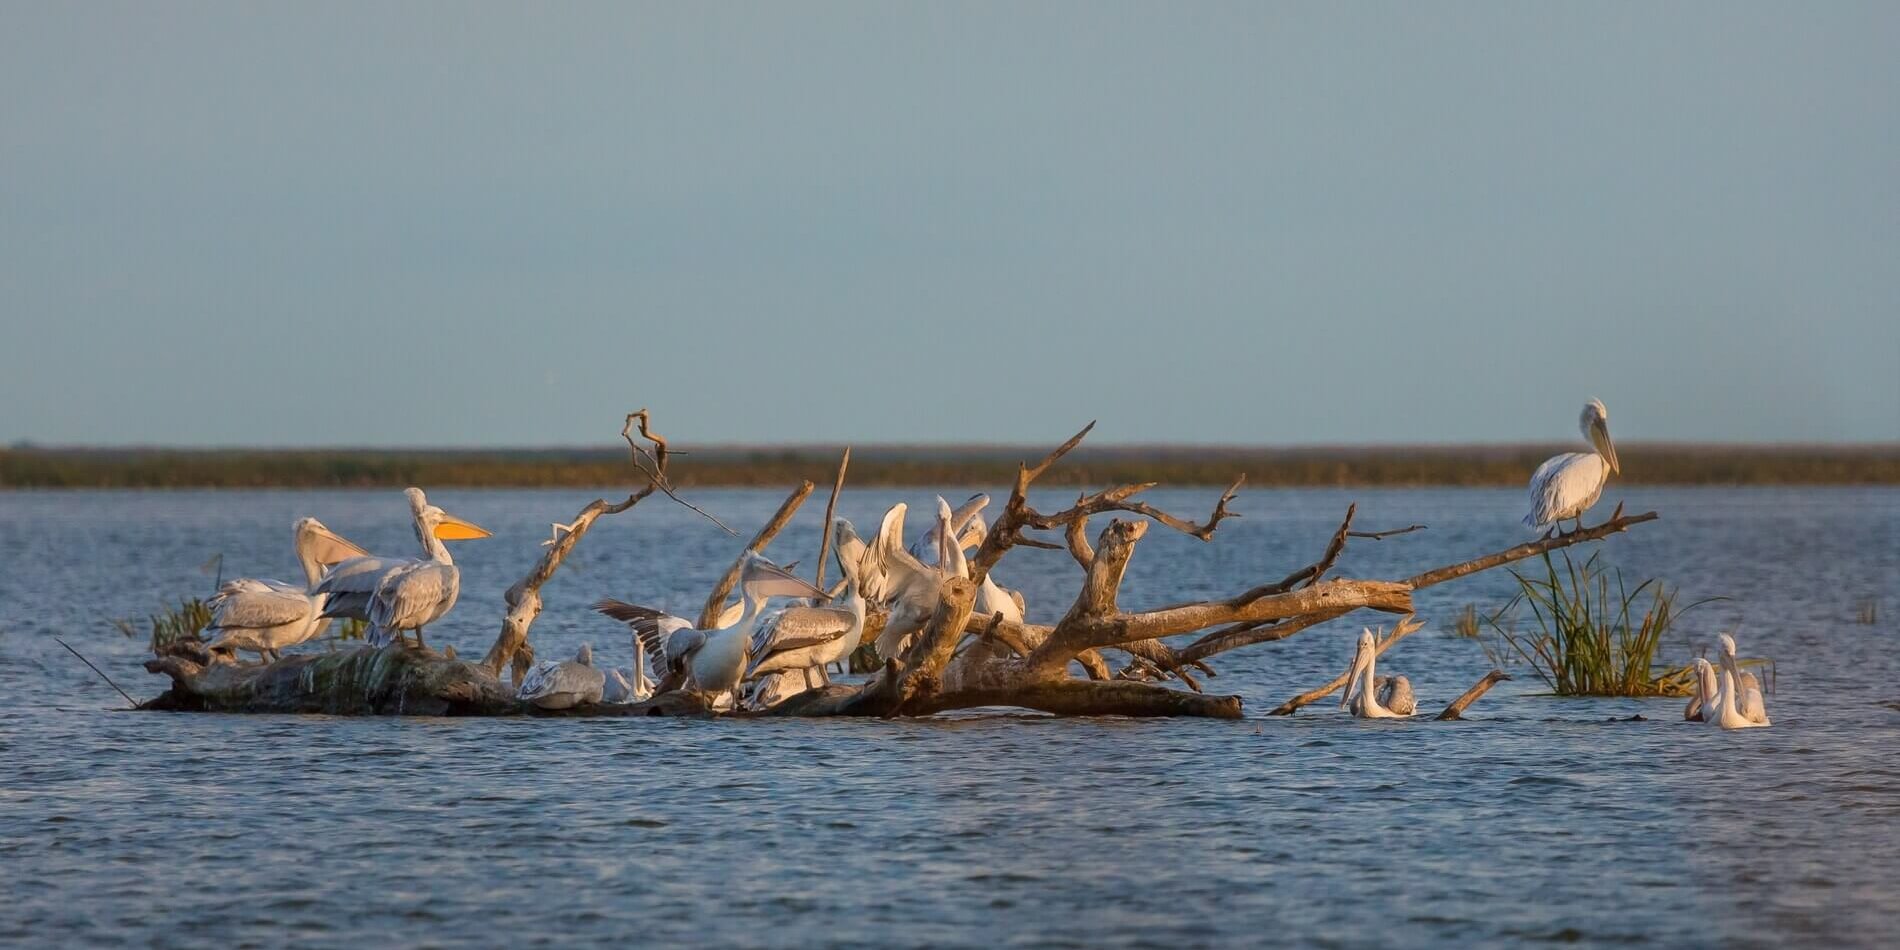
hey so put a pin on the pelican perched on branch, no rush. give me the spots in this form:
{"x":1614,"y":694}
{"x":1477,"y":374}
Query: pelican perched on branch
{"x":405,"y":593}
{"x":1566,"y":485}
{"x":911,"y":588}
{"x":711,"y":661}
{"x":265,"y":616}
{"x":1362,"y":694}
{"x":564,"y":684}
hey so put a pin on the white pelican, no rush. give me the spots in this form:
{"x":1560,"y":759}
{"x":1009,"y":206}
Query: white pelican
{"x":1702,"y":701}
{"x":991,"y":598}
{"x":1748,"y":696}
{"x":407,"y":593}
{"x":911,"y":588}
{"x":352,"y":583}
{"x":565,"y":684}
{"x":1723,"y":712}
{"x":803,"y":639}
{"x":264,"y":616}
{"x":713,"y":661}
{"x":1566,"y":485}
{"x":622,"y":688}
{"x":927,"y":548}
{"x":1395,"y":694}
{"x":1361,"y":694}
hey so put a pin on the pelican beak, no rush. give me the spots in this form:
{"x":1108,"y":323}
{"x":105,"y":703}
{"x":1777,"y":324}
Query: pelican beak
{"x":765,"y":579}
{"x":1352,"y":676}
{"x":1600,"y":437}
{"x":328,"y":547}
{"x":456,"y":529}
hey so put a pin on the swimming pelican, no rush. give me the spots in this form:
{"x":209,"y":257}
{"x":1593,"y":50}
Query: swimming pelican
{"x":803,"y":639}
{"x":1361,"y":694}
{"x":712,"y":661}
{"x":1748,"y":696}
{"x":408,"y":593}
{"x":565,"y":684}
{"x":1395,"y":694}
{"x":264,"y":616}
{"x":1566,"y":485}
{"x":1702,"y":701}
{"x":1725,"y":714}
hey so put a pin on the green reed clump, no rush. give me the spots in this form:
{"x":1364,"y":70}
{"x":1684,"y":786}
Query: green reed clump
{"x":1594,"y":635}
{"x":186,"y":621}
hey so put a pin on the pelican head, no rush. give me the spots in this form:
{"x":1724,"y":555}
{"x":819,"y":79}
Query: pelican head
{"x":762,"y":579}
{"x":1728,"y":655}
{"x":1361,"y":656}
{"x":1595,"y":424}
{"x":323,"y":546}
{"x":439,"y":523}
{"x":585,"y":655}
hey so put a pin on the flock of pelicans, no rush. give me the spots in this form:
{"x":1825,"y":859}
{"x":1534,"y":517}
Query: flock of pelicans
{"x":754,"y":656}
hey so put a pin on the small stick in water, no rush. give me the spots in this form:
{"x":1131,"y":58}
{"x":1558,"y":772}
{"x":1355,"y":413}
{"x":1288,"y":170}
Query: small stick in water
{"x":102,"y":673}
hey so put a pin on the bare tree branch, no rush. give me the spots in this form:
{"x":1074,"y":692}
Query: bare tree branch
{"x":831,"y":507}
{"x":716,"y":601}
{"x":1458,"y":706}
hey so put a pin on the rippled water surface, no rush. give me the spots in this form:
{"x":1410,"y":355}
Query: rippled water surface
{"x":1540,"y":820}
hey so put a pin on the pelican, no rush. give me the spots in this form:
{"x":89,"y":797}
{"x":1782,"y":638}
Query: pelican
{"x":406,"y":593}
{"x":963,"y":522}
{"x":712,"y":661}
{"x":623,"y":689}
{"x":566,"y":684}
{"x":1702,"y":701}
{"x":1361,"y":693}
{"x":1395,"y":694}
{"x":991,"y":597}
{"x":352,"y":583}
{"x":1566,"y":485}
{"x":802,"y":639}
{"x":912,"y":588}
{"x":1721,"y":710}
{"x":1748,"y":697}
{"x":264,"y":616}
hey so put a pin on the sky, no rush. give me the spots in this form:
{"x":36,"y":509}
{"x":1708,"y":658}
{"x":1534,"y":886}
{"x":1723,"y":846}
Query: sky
{"x":464,"y":224}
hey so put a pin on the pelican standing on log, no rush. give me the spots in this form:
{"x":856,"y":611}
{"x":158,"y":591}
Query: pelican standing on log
{"x":409,"y":593}
{"x":801,"y":640}
{"x":1566,"y":485}
{"x":265,"y":616}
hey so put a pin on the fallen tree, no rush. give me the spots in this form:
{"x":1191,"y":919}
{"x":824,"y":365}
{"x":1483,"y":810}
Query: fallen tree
{"x":958,"y":661}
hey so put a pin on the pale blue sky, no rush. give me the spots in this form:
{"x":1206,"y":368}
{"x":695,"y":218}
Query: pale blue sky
{"x":459,"y":223}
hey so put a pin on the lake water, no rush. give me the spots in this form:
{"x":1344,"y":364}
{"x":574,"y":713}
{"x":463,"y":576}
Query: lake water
{"x":1542,"y":819}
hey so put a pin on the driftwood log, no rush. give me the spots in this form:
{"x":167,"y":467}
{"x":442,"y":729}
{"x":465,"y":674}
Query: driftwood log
{"x":958,"y":661}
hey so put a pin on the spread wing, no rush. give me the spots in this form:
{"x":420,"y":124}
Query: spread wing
{"x":251,"y":603}
{"x":667,"y":640}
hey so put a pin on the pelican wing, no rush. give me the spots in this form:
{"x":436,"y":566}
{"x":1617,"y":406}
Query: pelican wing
{"x":566,"y":678}
{"x":795,"y":628}
{"x":1565,"y":486}
{"x":411,"y":594}
{"x":351,"y":584}
{"x":667,"y":640}
{"x":250,"y":603}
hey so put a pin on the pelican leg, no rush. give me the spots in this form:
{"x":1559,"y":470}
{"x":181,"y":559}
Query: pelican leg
{"x":419,"y":644}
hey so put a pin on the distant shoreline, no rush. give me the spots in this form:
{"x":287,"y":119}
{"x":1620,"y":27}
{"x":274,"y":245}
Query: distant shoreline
{"x":765,"y":466}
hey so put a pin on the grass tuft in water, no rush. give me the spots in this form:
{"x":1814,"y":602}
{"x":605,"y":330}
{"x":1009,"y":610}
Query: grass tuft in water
{"x":1594,"y":635}
{"x":1869,"y":612}
{"x":186,"y":621}
{"x":1467,"y":625}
